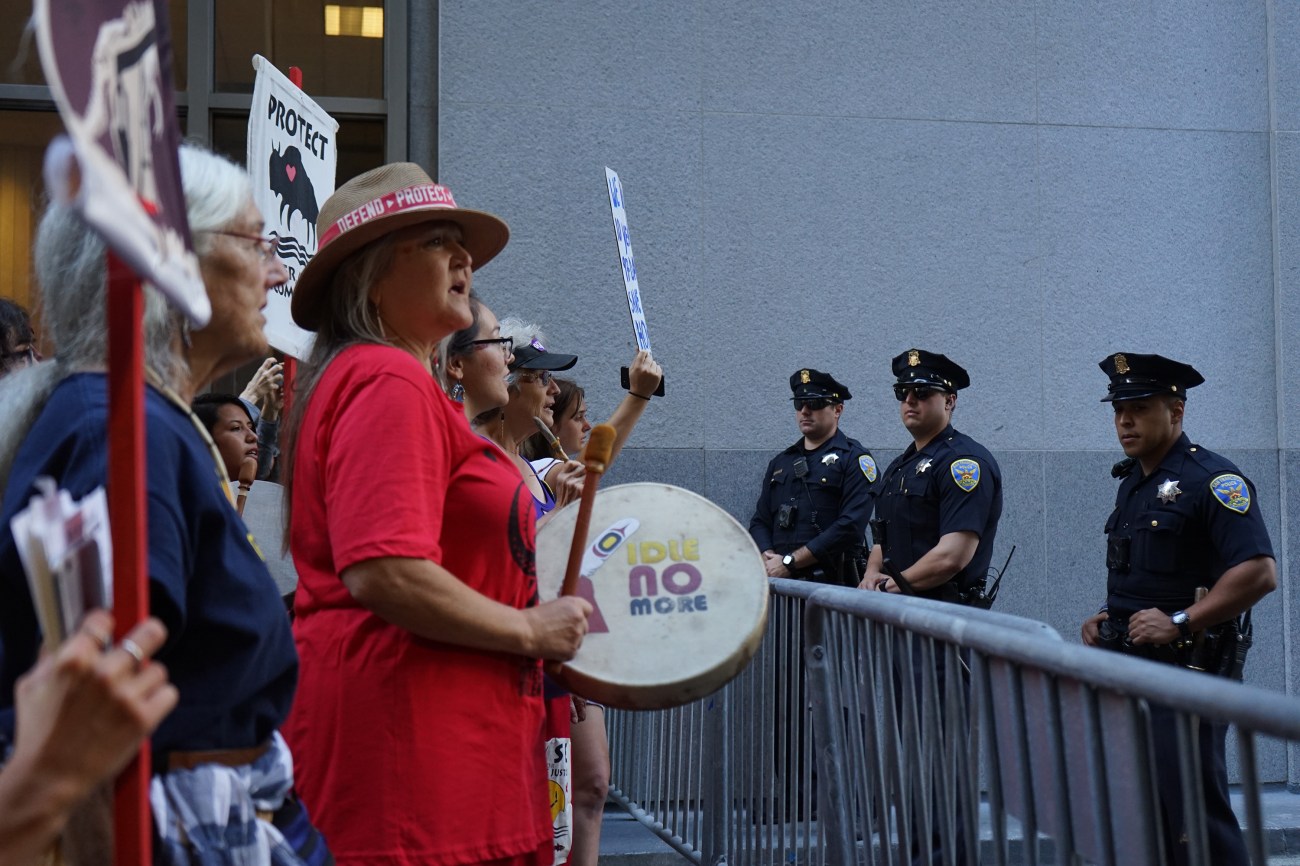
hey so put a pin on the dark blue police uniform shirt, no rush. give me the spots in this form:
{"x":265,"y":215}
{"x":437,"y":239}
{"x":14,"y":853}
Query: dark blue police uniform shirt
{"x":1187,"y":522}
{"x":953,"y":484}
{"x":836,"y":494}
{"x":229,"y":650}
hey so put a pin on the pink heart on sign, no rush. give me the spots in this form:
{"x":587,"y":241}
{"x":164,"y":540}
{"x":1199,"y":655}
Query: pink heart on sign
{"x":291,"y":171}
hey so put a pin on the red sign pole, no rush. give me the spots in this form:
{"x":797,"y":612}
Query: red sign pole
{"x":290,"y":364}
{"x":133,"y":839}
{"x":295,"y":78}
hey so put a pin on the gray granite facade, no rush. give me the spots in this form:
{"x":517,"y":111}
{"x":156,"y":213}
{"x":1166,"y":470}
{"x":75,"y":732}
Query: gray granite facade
{"x":1024,"y":186}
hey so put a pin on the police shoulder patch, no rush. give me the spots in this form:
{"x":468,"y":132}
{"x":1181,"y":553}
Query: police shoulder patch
{"x":966,"y":473}
{"x":1232,"y":492}
{"x":868,"y":466}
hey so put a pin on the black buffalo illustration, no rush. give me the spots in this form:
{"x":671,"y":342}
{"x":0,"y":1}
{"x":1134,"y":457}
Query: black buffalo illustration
{"x":290,"y":182}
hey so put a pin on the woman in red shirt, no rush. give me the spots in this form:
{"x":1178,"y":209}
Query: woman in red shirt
{"x":417,"y":722}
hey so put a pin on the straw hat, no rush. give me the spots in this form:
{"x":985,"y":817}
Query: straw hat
{"x":370,"y":206}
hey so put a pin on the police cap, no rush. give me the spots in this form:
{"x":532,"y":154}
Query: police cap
{"x":919,"y":367}
{"x":1133,"y":376}
{"x":808,"y":384}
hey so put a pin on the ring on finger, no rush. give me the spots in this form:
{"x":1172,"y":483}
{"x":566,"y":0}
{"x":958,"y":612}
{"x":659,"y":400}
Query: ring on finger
{"x":132,"y":649}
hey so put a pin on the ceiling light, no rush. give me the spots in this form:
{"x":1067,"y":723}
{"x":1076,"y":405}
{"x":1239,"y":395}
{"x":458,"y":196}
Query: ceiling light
{"x":365,"y":21}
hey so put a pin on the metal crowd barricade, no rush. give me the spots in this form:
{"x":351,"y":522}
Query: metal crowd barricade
{"x":732,"y":778}
{"x":728,"y":779}
{"x":1059,"y":733}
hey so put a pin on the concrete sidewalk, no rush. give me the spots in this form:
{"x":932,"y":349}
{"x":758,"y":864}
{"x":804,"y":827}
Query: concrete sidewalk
{"x":625,"y":841}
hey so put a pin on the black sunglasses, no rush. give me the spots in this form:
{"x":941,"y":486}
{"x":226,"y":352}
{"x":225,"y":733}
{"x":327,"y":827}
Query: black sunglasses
{"x":811,"y":405}
{"x":922,"y":392}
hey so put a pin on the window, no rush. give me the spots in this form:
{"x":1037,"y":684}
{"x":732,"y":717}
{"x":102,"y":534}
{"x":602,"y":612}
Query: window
{"x":22,"y":65}
{"x":23,"y":138}
{"x":352,"y":76}
{"x":293,"y":32}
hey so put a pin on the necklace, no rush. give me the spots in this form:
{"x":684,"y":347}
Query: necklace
{"x":156,"y":381}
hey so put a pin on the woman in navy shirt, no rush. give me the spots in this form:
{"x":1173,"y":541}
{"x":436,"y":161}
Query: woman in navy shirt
{"x":222,"y":772}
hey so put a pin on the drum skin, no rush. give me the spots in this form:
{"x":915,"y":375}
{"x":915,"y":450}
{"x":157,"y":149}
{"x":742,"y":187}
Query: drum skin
{"x":678,"y":589}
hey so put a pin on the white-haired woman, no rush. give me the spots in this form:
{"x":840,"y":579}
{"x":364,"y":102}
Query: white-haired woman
{"x":419,"y":714}
{"x":223,"y":774}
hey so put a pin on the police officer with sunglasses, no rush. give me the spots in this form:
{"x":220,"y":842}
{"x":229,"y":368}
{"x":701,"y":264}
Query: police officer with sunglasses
{"x":939,"y":502}
{"x":936,"y":516}
{"x":812,"y":513}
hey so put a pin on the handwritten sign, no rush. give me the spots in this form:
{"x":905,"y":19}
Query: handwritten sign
{"x":627,"y":262}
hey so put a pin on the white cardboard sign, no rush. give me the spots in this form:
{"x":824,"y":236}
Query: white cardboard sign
{"x":627,"y":262}
{"x":292,"y":157}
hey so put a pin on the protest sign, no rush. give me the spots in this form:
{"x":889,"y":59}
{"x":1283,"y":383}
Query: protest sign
{"x":292,"y":159}
{"x":109,"y":69}
{"x":626,"y":260}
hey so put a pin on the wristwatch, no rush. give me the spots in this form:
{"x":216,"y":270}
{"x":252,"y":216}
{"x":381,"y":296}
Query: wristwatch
{"x":788,"y":561}
{"x":1179,"y":618}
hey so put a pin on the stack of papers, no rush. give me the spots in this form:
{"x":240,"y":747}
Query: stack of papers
{"x":67,"y":553}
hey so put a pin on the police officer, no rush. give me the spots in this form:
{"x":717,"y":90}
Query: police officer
{"x":937,"y":514}
{"x":812,"y":513}
{"x":1184,"y":518}
{"x":939,"y":502}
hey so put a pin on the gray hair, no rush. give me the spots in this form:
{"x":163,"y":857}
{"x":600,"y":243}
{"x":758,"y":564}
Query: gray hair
{"x":71,"y":269}
{"x":522,"y":333}
{"x":216,"y":190}
{"x":22,"y":397}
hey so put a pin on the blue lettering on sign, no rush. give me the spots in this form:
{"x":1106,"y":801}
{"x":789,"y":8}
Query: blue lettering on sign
{"x":629,"y":268}
{"x":615,"y":195}
{"x":683,"y":604}
{"x":634,"y":301}
{"x":642,"y":335}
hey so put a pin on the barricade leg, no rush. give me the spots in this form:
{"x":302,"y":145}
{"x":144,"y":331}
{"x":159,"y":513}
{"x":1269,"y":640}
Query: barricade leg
{"x":1200,"y":827}
{"x":827,"y":699}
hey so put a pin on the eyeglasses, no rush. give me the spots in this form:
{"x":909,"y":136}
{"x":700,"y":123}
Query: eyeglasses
{"x":811,"y":405}
{"x":267,"y":245}
{"x":543,"y":376}
{"x":921,"y":393}
{"x":507,"y":344}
